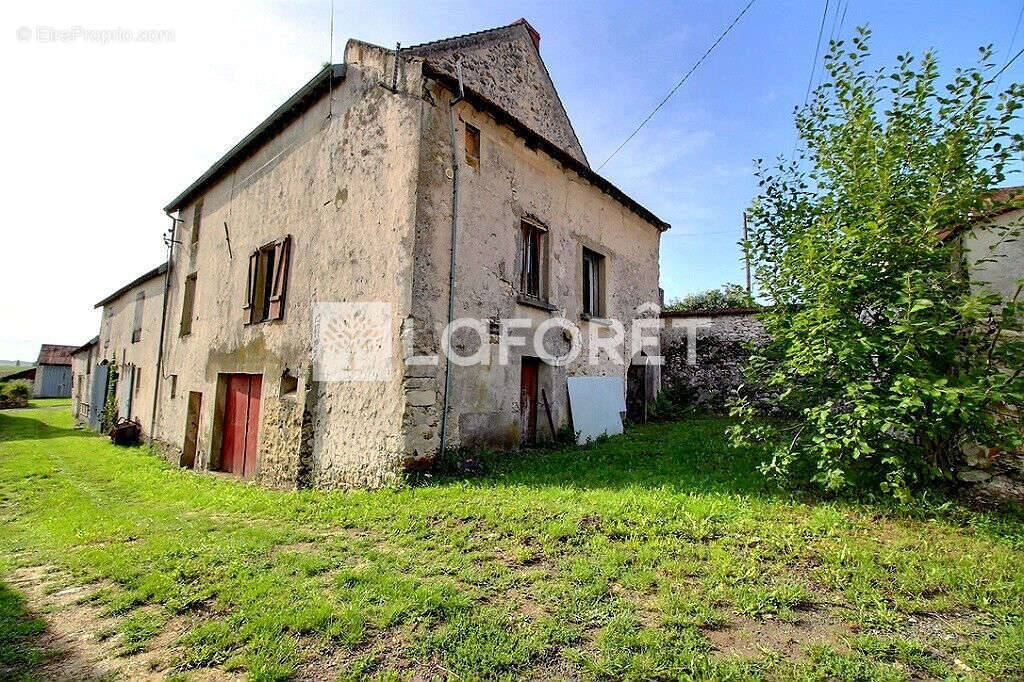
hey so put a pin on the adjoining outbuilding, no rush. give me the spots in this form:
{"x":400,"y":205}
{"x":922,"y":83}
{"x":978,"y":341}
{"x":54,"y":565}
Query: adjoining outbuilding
{"x":53,"y":372}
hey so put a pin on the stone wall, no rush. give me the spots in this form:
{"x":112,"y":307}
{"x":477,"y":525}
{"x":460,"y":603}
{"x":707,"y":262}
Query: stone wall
{"x":704,"y":352}
{"x":512,"y":182}
{"x":505,"y":64}
{"x":340,"y":180}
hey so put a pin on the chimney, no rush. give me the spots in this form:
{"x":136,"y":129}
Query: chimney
{"x":533,"y":32}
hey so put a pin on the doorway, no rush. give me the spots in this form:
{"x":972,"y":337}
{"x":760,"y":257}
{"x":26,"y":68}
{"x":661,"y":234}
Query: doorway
{"x":637,"y":407}
{"x":238,"y":454}
{"x":528,"y":399}
{"x":188,"y":452}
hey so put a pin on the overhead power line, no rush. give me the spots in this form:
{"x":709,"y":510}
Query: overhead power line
{"x":679,"y":84}
{"x":817,"y":51}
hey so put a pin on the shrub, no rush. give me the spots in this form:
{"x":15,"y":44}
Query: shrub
{"x":888,"y":361}
{"x":15,"y":393}
{"x":728,"y":296}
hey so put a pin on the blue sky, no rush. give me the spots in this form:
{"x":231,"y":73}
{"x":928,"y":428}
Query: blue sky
{"x":692,"y":164}
{"x":108,"y":134}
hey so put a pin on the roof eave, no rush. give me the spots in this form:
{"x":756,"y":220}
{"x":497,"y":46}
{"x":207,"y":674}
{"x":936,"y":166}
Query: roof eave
{"x":534,"y":139}
{"x":155,"y":272}
{"x":287,"y":112}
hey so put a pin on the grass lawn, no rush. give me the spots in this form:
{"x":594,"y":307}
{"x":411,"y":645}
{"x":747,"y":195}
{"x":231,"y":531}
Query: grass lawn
{"x":659,"y":554}
{"x":49,"y":402}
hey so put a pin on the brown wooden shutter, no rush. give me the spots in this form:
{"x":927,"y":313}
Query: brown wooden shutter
{"x":250,"y":288}
{"x":279,"y":285}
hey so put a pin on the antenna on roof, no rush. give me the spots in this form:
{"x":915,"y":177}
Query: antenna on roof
{"x":330,"y":65}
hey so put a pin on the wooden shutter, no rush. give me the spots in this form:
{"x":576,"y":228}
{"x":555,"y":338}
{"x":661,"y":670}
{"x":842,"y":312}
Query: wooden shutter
{"x":279,"y":285}
{"x":250,"y":288}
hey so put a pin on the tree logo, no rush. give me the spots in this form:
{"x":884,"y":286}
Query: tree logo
{"x":352,"y":341}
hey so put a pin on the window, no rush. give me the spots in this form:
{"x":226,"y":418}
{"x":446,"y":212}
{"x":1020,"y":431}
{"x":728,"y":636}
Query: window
{"x":174,"y":386}
{"x":187,"y":302}
{"x":137,"y":372}
{"x":472,"y":146}
{"x":140,"y":299}
{"x":267,"y":282}
{"x":531,"y":285}
{"x":197,"y":218}
{"x":593,"y":283}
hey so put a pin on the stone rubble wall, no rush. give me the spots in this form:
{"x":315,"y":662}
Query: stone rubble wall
{"x":710,"y":371}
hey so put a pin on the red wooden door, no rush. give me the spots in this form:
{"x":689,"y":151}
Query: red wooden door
{"x":528,"y":400}
{"x":252,"y":424}
{"x":241,"y":424}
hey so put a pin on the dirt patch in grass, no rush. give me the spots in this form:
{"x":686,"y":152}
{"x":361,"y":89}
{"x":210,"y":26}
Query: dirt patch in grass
{"x":746,"y":637}
{"x":385,"y":652}
{"x":82,"y":644}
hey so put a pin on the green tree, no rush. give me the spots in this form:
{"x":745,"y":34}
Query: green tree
{"x":728,"y":296}
{"x":885,"y":362}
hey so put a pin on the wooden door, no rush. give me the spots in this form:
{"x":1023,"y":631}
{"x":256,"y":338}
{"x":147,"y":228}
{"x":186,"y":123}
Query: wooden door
{"x":240,"y":425}
{"x":528,"y":400}
{"x":252,"y":423}
{"x":188,"y":453}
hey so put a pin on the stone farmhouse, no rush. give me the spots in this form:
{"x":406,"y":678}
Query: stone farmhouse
{"x":444,"y":180}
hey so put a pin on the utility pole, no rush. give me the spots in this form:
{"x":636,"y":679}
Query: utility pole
{"x":746,"y":252}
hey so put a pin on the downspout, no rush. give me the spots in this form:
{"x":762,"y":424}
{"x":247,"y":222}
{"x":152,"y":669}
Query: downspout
{"x":163,"y":325}
{"x":451,"y":264}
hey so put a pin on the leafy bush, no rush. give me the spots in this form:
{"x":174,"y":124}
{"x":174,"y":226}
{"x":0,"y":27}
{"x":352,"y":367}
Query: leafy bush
{"x":15,"y":393}
{"x":728,"y":296}
{"x":887,"y":359}
{"x":109,"y":413}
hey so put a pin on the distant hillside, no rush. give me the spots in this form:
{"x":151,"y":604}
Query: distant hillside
{"x":10,"y":368}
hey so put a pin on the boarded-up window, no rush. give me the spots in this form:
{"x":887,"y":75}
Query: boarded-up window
{"x":187,"y":302}
{"x":472,"y":146}
{"x":532,"y":285}
{"x":197,"y":219}
{"x":140,"y":300}
{"x":593,"y":283}
{"x":267,"y":282}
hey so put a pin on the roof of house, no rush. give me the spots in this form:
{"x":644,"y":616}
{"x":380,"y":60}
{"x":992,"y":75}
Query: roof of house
{"x":551,"y":149}
{"x":155,"y":272}
{"x":1001,"y":200}
{"x":86,"y":346}
{"x":1005,"y":199}
{"x":53,"y":354}
{"x":439,"y":53}
{"x":293,"y":107}
{"x":320,"y":84}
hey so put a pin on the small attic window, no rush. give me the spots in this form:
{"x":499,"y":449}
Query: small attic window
{"x":472,"y":146}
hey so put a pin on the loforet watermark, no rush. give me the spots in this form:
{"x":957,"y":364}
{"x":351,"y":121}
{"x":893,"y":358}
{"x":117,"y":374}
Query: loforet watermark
{"x":353,"y":341}
{"x":95,"y":36}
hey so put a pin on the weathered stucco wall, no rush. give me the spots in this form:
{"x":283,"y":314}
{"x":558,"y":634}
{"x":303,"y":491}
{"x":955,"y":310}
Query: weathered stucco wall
{"x":707,"y":373}
{"x":510,"y":183}
{"x":340,"y":180}
{"x":82,"y":363}
{"x":1002,"y":274}
{"x":116,"y":344}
